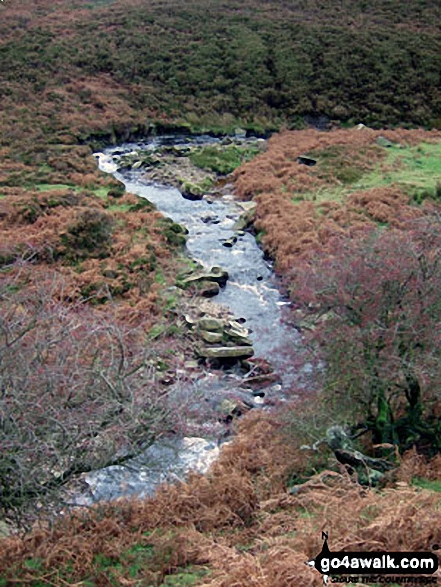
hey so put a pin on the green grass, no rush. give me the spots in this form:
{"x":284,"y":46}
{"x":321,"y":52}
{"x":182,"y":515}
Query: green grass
{"x":223,"y":160}
{"x":334,"y":194}
{"x":409,"y":167}
{"x":187,"y":578}
{"x":416,"y":170}
{"x":98,"y":4}
{"x":47,"y":187}
{"x":129,"y":564}
{"x":100,"y":192}
{"x":120,"y":208}
{"x":426,"y":484}
{"x":156,"y":331}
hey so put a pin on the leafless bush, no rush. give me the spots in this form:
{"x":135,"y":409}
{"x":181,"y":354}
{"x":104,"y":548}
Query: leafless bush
{"x":78,"y":391}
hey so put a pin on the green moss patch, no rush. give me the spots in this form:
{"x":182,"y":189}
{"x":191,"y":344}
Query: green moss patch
{"x":222,"y":159}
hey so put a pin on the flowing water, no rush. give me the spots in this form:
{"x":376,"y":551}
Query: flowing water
{"x":250,"y":294}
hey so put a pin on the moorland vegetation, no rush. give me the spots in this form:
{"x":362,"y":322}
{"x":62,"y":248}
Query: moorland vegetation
{"x":88,"y":322}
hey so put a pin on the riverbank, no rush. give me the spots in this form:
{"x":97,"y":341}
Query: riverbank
{"x":253,"y":499}
{"x":100,"y":247}
{"x":240,"y":332}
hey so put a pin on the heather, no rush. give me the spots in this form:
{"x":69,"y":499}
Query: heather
{"x":86,"y":69}
{"x":91,"y":322}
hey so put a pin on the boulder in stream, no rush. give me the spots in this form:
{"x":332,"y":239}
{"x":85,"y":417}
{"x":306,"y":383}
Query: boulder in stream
{"x":247,"y":217}
{"x":237,"y":334}
{"x":211,"y":324}
{"x":229,"y":339}
{"x":229,"y":242}
{"x":216,"y":274}
{"x":226,"y":352}
{"x":208,"y":289}
{"x":191,"y":193}
{"x":211,"y":337}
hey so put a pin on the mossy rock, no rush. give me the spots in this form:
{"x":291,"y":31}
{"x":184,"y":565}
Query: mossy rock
{"x":211,"y":324}
{"x":211,"y":337}
{"x":117,"y":191}
{"x":208,"y":289}
{"x":192,"y":191}
{"x":174,"y":233}
{"x":216,"y":274}
{"x":226,"y":352}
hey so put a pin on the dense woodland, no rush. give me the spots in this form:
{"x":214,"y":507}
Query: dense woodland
{"x":90,"y":324}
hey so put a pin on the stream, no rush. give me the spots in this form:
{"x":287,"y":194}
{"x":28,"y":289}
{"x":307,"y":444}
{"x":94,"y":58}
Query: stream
{"x":250,"y":295}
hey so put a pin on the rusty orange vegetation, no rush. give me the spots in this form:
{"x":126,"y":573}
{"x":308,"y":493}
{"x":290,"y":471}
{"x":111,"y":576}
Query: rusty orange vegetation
{"x":294,"y":227}
{"x":41,"y":226}
{"x":239,"y":522}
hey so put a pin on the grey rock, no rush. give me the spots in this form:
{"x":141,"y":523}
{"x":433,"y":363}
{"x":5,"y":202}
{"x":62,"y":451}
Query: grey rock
{"x":337,"y":438}
{"x":191,"y":194}
{"x":216,"y":274}
{"x":211,"y":324}
{"x":233,"y":352}
{"x":248,"y":206}
{"x":237,"y":335}
{"x":261,"y":381}
{"x":189,"y":320}
{"x":210,"y":219}
{"x":261,"y":144}
{"x":384,"y":142}
{"x":229,"y":242}
{"x":227,"y":407}
{"x":247,"y":217}
{"x":209,"y":289}
{"x":211,"y":337}
{"x":191,"y":365}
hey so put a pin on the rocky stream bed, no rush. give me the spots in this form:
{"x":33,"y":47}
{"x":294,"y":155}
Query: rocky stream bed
{"x":242,"y":319}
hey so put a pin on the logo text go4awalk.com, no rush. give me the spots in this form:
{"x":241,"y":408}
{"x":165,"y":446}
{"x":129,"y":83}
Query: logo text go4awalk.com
{"x":339,"y":565}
